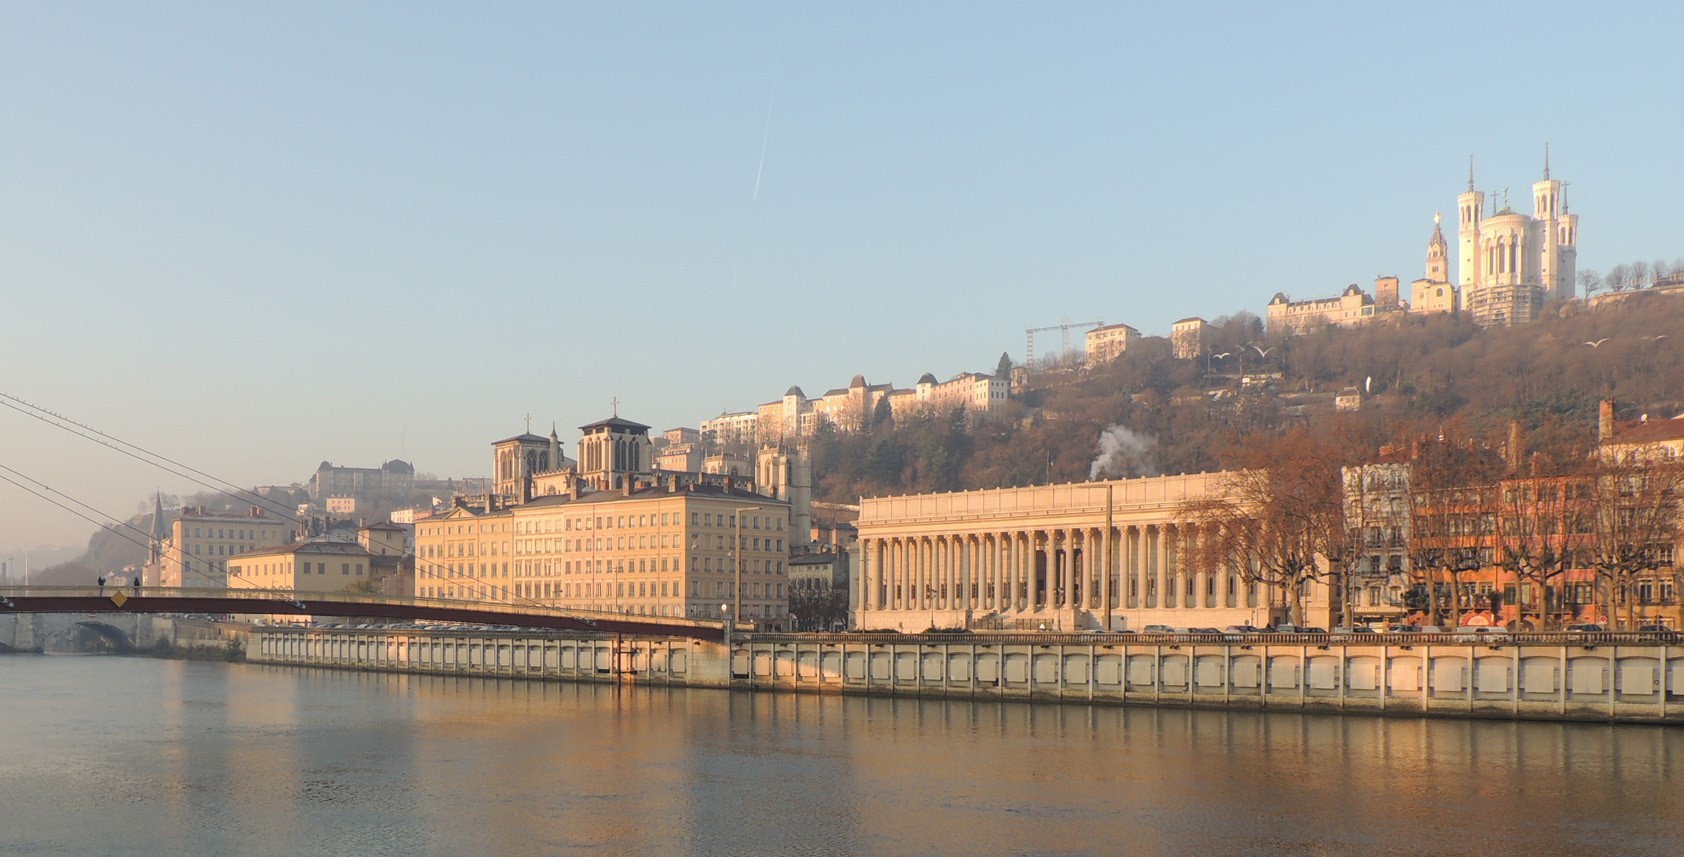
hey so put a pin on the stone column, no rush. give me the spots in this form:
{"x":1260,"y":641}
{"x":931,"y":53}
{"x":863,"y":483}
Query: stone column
{"x":1067,"y":575}
{"x":868,"y":556}
{"x":1093,"y":553}
{"x":1003,"y":598}
{"x":1155,"y":571}
{"x":921,"y":583}
{"x":1039,"y":585}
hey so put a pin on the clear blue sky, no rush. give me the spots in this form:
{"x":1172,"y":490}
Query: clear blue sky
{"x":257,"y":236}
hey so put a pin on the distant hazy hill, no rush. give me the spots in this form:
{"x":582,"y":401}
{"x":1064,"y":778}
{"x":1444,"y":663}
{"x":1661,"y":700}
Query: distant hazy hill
{"x":1172,"y":416}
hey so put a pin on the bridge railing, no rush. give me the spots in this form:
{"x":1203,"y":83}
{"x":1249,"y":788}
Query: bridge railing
{"x":293,"y":598}
{"x":1404,"y":640}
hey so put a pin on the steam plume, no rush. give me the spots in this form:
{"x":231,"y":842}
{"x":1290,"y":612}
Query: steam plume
{"x":1122,"y":453}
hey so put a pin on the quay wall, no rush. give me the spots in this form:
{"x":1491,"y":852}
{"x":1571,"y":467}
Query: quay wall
{"x":1593,"y":681}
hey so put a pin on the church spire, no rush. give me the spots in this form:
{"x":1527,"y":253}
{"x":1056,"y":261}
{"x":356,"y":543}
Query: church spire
{"x":1471,"y":173}
{"x":1546,"y":161}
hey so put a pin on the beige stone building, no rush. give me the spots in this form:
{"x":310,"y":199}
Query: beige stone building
{"x":1352,"y":306}
{"x":391,"y":481}
{"x":649,"y":548}
{"x":320,"y":565}
{"x":613,"y":533}
{"x":1647,"y":441}
{"x":1107,"y":343}
{"x":739,"y":428}
{"x":201,"y":543}
{"x":1187,"y":338}
{"x":1059,"y":557}
{"x":850,"y":408}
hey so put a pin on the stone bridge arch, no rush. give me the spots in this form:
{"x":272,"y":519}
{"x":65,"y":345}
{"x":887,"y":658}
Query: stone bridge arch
{"x":72,"y":633}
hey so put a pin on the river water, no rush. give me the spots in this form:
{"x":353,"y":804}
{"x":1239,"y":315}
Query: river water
{"x":108,"y":755}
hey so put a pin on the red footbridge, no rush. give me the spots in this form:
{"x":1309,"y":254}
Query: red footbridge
{"x":287,"y":606}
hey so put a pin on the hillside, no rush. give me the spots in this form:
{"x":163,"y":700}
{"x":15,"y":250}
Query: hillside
{"x":1162,"y":415}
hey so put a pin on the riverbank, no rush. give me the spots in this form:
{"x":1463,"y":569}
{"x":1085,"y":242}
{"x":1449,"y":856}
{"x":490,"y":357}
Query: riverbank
{"x":1585,"y":681}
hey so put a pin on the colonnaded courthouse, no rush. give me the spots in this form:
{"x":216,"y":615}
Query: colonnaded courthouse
{"x":1063,"y":557}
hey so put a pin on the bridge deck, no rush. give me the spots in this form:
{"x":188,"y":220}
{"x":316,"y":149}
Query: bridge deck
{"x":343,"y":604}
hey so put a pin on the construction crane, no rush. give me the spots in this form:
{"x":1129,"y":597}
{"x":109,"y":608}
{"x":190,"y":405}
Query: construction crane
{"x":1063,"y":341}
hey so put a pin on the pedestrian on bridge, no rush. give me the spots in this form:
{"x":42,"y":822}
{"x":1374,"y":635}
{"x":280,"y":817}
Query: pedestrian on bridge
{"x":137,"y":585}
{"x":102,"y":584}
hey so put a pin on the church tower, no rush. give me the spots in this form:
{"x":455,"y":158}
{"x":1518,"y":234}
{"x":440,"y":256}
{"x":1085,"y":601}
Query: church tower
{"x":514,"y":461}
{"x":1547,"y":214}
{"x":1438,"y":255}
{"x":612,"y":449}
{"x":1470,"y":210}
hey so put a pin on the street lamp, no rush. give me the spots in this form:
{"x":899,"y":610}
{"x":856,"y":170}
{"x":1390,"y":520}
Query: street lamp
{"x":737,"y":550}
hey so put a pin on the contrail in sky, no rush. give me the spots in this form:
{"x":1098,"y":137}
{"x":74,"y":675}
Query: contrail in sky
{"x":764,"y":137}
{"x":766,"y":133}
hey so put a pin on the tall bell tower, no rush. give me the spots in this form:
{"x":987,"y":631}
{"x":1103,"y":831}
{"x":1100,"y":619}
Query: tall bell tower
{"x":1470,"y":209}
{"x":1549,"y":210}
{"x":1438,"y":254}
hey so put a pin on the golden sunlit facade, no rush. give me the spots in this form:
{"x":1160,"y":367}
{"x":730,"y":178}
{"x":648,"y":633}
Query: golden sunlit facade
{"x":661,"y":548}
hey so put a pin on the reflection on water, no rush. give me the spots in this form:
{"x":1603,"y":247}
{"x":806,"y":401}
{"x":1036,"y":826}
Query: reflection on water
{"x":133,"y":756}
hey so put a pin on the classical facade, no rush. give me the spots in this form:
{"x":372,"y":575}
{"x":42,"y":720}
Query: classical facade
{"x":1509,"y":263}
{"x":1105,"y":344}
{"x":201,"y":543}
{"x":1092,"y":555}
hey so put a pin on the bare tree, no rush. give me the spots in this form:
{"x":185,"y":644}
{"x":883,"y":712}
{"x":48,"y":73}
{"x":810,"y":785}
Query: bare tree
{"x":1589,"y":283}
{"x":1639,"y":275}
{"x":1660,"y":270}
{"x":1452,"y":508}
{"x":1635,"y":526}
{"x":1279,"y":519}
{"x":1616,"y":278}
{"x":1536,"y":536}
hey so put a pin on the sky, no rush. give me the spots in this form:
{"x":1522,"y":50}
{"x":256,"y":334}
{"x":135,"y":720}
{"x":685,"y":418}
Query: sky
{"x":253,"y":237}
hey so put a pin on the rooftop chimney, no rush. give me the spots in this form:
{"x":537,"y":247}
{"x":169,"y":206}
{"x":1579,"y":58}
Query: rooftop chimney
{"x":1605,"y":420}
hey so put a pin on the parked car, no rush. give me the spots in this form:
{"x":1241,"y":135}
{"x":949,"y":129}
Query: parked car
{"x":1210,"y":631}
{"x":1655,"y":629}
{"x":1348,"y":630}
{"x":1582,"y":628}
{"x":1484,"y":632}
{"x":1157,"y":629}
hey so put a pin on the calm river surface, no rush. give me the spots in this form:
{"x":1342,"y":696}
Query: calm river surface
{"x":106,"y":755}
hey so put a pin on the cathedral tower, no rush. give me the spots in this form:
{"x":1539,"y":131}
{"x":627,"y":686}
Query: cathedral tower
{"x":612,"y":449}
{"x":1470,"y":210}
{"x":1546,"y":213}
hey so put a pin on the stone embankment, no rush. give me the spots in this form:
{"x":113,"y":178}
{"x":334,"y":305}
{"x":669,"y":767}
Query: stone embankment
{"x":1600,"y":677}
